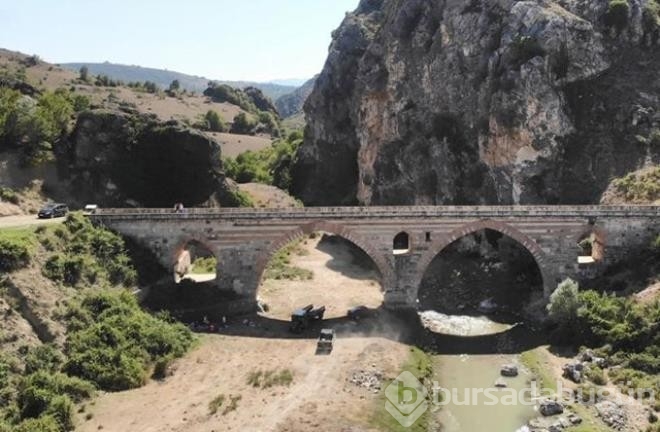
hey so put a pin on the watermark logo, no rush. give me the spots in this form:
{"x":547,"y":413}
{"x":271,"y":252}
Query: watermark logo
{"x":406,"y":399}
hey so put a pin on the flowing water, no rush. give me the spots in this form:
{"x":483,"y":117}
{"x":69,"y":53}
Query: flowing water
{"x":470,"y":377}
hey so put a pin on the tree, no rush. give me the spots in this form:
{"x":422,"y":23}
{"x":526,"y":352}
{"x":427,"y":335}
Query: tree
{"x":242,"y":124}
{"x":564,"y":303}
{"x":214,"y":122}
{"x":175,"y":86}
{"x":84,"y":73}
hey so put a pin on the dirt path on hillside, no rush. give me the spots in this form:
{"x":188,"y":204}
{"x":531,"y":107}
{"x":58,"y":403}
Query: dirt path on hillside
{"x":321,"y":397}
{"x":25,"y":221}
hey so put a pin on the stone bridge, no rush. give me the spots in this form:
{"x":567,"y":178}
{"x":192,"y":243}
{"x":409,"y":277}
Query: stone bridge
{"x":401,"y":241}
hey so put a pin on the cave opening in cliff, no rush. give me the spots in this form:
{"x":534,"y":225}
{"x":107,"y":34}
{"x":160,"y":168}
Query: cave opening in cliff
{"x":323,"y":270}
{"x":485,"y":273}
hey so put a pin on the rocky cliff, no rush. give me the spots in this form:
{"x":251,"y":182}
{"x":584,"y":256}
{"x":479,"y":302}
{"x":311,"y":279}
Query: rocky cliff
{"x":115,"y":158}
{"x":482,"y":101}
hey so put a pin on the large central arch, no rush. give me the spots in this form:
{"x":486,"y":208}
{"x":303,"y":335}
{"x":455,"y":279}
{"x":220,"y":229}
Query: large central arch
{"x":442,"y":242}
{"x":385,"y":268}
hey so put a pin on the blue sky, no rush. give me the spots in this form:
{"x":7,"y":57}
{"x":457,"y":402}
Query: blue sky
{"x":255,"y":40}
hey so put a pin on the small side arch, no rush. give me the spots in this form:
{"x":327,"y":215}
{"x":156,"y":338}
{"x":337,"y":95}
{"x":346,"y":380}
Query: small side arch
{"x":180,"y":251}
{"x":442,"y":242}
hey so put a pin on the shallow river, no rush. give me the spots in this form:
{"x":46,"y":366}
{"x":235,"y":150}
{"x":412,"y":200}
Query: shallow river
{"x":475,"y":411}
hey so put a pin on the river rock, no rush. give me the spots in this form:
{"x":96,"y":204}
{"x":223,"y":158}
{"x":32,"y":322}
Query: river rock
{"x":573,"y":372}
{"x":550,"y":407}
{"x":612,"y":414}
{"x":509,"y":370}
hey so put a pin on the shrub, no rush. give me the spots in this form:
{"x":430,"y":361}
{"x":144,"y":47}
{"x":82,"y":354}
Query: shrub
{"x":243,"y":124}
{"x":617,"y":14}
{"x":14,"y":253}
{"x":7,"y":194}
{"x":640,"y":187}
{"x":204,"y":265}
{"x":113,"y":343}
{"x":42,"y":424}
{"x":595,"y":375}
{"x":216,"y":403}
{"x":214,"y":122}
{"x":564,"y":303}
{"x":43,"y":358}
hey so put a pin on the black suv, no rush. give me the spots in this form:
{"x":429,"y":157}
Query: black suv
{"x":53,"y":210}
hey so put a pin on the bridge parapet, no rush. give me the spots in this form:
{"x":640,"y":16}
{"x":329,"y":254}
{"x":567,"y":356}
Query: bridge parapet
{"x":386,"y":212}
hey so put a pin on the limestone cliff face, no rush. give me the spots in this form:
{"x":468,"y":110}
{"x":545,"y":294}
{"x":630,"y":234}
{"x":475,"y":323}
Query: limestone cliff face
{"x":115,"y":158}
{"x":481,"y":101}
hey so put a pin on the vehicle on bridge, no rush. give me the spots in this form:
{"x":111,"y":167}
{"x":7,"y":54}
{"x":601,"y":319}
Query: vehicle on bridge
{"x":326,"y":342}
{"x":302,"y":318}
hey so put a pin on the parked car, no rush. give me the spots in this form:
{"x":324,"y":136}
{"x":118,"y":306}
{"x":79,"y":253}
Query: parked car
{"x":53,"y":210}
{"x":360,"y":312}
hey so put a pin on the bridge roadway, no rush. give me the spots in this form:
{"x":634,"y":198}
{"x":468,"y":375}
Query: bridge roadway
{"x":243,"y":240}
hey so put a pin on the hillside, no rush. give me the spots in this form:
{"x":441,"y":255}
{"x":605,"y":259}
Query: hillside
{"x":291,"y":104}
{"x":163,"y":78}
{"x":63,"y":117}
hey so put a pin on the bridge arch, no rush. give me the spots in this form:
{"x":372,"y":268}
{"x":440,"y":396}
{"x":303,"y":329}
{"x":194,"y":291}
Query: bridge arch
{"x":384,"y":267}
{"x":444,"y":241}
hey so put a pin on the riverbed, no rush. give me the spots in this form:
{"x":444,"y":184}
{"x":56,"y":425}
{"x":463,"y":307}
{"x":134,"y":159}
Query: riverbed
{"x":470,"y":400}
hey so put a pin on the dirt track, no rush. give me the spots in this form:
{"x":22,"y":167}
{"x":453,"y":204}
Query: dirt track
{"x":320,"y":396}
{"x":24,"y":221}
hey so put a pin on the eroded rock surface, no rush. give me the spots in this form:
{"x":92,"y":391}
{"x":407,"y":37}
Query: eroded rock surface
{"x":468,"y":102}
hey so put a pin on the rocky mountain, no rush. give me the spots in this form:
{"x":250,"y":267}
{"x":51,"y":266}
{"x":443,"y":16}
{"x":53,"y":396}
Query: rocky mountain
{"x":483,"y":101}
{"x":163,"y":78}
{"x":292,"y":103}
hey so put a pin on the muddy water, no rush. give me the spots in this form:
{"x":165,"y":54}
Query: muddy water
{"x":471,"y":377}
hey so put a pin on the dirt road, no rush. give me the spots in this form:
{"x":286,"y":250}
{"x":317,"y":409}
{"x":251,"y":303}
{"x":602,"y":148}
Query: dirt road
{"x":26,"y":220}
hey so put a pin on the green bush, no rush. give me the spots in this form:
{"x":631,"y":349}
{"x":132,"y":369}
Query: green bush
{"x":87,"y":254}
{"x":113,"y":343}
{"x":564,"y":303}
{"x":14,"y":255}
{"x":243,"y":124}
{"x":617,"y":14}
{"x":7,"y":194}
{"x":279,"y":267}
{"x":644,"y":187}
{"x":269,"y":166}
{"x":204,"y":265}
{"x":42,"y":424}
{"x":214,"y":123}
{"x":43,"y":358}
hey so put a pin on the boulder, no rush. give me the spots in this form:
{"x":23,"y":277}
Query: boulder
{"x":509,"y":370}
{"x":573,"y":372}
{"x":549,"y":408}
{"x":116,"y":158}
